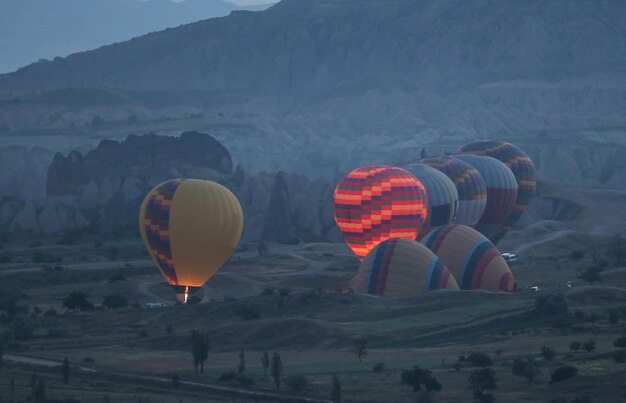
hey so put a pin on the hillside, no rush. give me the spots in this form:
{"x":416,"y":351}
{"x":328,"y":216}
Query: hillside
{"x":37,"y":29}
{"x":384,"y":77}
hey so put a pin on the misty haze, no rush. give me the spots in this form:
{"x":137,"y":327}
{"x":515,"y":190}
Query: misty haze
{"x":312,"y":201}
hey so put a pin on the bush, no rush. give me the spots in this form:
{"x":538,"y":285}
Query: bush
{"x":115,"y":301}
{"x":248,"y":312}
{"x":620,"y":342}
{"x":58,"y":333}
{"x":88,"y":360}
{"x":23,"y":329}
{"x":77,"y":301}
{"x":481,"y":360}
{"x":143,"y":333}
{"x":228,"y":376}
{"x":42,"y":257}
{"x":577,"y":255}
{"x":589,"y":345}
{"x":575,"y":345}
{"x":563,"y":373}
{"x":619,"y":356}
{"x":550,"y":305}
{"x":548,"y":353}
{"x":418,"y":378}
{"x":297,"y":383}
{"x":613,"y":316}
{"x":379,"y":367}
{"x":245,"y":380}
{"x":119,"y":276}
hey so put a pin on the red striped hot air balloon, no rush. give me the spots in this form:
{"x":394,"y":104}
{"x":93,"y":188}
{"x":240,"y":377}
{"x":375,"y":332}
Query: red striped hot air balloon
{"x":376,"y":203}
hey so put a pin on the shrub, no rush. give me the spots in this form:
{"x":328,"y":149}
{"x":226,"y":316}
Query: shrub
{"x":42,"y":257}
{"x":589,"y":345}
{"x":143,"y":333}
{"x":418,"y":377}
{"x":613,"y":315}
{"x":23,"y":329}
{"x":228,"y":376}
{"x":575,"y":345}
{"x":577,"y":255}
{"x":620,"y":342}
{"x":88,"y":360}
{"x":481,"y":360}
{"x":563,"y":373}
{"x":248,"y":312}
{"x":77,"y":301}
{"x":550,"y":305}
{"x":115,"y":301}
{"x":297,"y":383}
{"x":245,"y":380}
{"x":119,"y":276}
{"x":379,"y":367}
{"x":619,"y":356}
{"x":58,"y":333}
{"x":548,"y":353}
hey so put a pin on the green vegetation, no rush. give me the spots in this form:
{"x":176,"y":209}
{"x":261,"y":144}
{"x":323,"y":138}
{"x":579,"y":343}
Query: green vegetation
{"x":563,"y":373}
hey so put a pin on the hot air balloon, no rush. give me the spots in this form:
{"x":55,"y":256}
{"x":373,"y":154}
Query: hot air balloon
{"x":190,"y":227}
{"x":469,"y":185}
{"x":376,"y":203}
{"x":399,"y":267}
{"x":501,"y":192}
{"x":443,"y":198}
{"x":472,"y":259}
{"x":522,"y":167}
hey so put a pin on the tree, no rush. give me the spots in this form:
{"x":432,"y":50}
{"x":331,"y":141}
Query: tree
{"x":550,"y":305}
{"x":548,"y":353}
{"x":277,"y":369}
{"x":297,"y":383}
{"x":175,"y":380}
{"x":423,"y":153}
{"x":200,"y":345}
{"x":577,"y":255}
{"x":613,"y":315}
{"x":242,"y":362}
{"x":575,"y":345}
{"x":589,"y":345}
{"x":620,"y":342}
{"x":335,"y":394}
{"x":65,"y":371}
{"x":1,"y":354}
{"x":591,"y":275}
{"x":359,"y":347}
{"x":77,"y":301}
{"x":265,"y":361}
{"x":481,"y":381}
{"x":562,"y":373}
{"x":418,"y":377}
{"x":618,"y":251}
{"x":481,"y":360}
{"x":115,"y":301}
{"x":38,"y":388}
{"x":525,"y":368}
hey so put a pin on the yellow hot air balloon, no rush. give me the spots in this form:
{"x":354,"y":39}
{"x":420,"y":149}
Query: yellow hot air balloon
{"x":190,"y":227}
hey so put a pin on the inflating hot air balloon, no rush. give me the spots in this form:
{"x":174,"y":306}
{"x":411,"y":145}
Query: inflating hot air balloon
{"x":469,"y":185}
{"x":472,"y":259}
{"x":443,"y":198}
{"x":522,"y":167}
{"x":376,"y":203}
{"x":190,"y":227}
{"x":400,"y":266}
{"x":501,"y":192}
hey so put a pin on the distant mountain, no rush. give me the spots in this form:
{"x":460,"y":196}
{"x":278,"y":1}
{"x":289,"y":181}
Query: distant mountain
{"x":381,"y":78}
{"x":43,"y":29}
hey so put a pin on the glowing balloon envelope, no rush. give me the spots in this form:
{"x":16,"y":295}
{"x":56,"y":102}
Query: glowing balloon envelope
{"x":398,"y":267}
{"x":376,"y":203}
{"x":472,"y":259}
{"x":522,"y":167}
{"x":190,"y":227}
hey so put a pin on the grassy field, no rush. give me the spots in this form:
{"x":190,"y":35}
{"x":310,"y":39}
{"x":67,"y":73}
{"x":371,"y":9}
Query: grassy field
{"x":305,"y":319}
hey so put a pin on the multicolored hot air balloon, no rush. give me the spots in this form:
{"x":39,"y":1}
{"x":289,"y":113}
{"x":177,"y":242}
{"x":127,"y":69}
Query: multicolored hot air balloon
{"x":469,"y":184}
{"x":376,"y":203}
{"x":522,"y":167}
{"x":443,"y":198}
{"x":473,"y":260}
{"x":190,"y":227}
{"x":399,"y":267}
{"x":501,"y":192}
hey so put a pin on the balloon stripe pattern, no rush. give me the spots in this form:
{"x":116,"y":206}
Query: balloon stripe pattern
{"x":522,"y":167}
{"x":470,"y":187}
{"x":156,"y":226}
{"x":501,"y":192}
{"x":401,"y":266}
{"x":376,"y":203}
{"x":443,"y":198}
{"x":473,"y":259}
